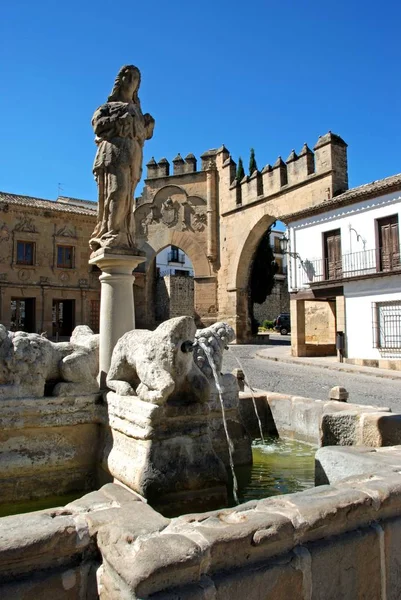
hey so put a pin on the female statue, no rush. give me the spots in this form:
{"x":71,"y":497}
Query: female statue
{"x":121,"y":130}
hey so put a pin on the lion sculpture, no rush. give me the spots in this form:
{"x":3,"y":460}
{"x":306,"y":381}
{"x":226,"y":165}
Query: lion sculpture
{"x":158,"y":365}
{"x":29,"y":361}
{"x":215,"y":338}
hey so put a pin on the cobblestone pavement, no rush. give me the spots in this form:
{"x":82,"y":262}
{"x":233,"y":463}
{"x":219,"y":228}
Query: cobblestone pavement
{"x":311,"y":381}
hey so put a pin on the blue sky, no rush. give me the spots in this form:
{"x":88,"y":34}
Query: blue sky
{"x":268,"y":75}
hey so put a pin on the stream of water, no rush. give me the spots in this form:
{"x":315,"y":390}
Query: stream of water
{"x":223,"y":414}
{"x":255,"y":408}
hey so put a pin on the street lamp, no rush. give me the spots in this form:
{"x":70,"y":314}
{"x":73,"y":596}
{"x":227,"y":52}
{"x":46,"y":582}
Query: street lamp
{"x":283,"y":241}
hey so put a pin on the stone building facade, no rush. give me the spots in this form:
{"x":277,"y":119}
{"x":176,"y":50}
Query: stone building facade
{"x":46,"y":284}
{"x":219,"y":221}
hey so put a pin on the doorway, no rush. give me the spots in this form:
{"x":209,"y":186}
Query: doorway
{"x":332,"y":254}
{"x":23,"y":315}
{"x":63,"y":318}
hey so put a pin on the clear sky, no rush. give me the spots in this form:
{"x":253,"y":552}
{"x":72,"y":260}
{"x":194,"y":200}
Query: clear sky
{"x":262,"y":74}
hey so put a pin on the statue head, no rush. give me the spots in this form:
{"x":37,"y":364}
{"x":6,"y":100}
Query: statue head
{"x":126,"y":84}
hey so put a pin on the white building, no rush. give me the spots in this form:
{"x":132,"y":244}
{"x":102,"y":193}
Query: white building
{"x":344,"y":275}
{"x":172,"y":261}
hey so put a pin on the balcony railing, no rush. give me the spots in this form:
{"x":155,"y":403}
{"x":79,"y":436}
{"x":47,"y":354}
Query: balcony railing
{"x":176,"y":257}
{"x":356,"y":264}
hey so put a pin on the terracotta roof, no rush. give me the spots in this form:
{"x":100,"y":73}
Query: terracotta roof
{"x":366,"y":191}
{"x":46,"y":204}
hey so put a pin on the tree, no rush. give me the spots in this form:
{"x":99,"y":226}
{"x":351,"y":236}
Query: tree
{"x":263,"y":270}
{"x":240,"y":170}
{"x":252,"y":162}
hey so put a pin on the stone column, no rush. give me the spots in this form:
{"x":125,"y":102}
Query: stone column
{"x":211,"y":199}
{"x":117,"y":313}
{"x":298,"y":344}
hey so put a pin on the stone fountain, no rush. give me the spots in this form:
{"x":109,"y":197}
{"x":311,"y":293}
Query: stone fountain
{"x":154,"y":438}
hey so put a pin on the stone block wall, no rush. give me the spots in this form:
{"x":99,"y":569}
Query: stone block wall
{"x":278,"y":302}
{"x":174,"y":297}
{"x":320,"y":322}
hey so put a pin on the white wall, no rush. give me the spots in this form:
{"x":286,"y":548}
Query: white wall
{"x":359,"y":296}
{"x":306,"y":235}
{"x":164,"y":265}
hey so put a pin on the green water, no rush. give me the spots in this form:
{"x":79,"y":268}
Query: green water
{"x":280,"y":466}
{"x":17,"y":508}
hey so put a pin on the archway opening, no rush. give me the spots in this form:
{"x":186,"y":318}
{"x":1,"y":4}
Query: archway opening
{"x":173,"y":285}
{"x":268,"y":287}
{"x":261,"y":285}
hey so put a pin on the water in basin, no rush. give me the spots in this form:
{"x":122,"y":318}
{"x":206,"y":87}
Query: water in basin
{"x":280,"y":466}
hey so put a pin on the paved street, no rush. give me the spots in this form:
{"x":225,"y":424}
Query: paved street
{"x":312,"y":381}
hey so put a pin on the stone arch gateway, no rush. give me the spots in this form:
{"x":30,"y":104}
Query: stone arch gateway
{"x":218,"y":221}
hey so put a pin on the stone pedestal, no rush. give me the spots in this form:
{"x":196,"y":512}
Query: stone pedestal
{"x":164,"y":453}
{"x":117,"y":312}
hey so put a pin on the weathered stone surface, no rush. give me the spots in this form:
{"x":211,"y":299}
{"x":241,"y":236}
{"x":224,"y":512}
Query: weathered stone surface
{"x":121,"y":130}
{"x":216,"y":337}
{"x":339,"y":429}
{"x":150,"y":564}
{"x":346,"y":567}
{"x":379,"y":429}
{"x":68,"y":583}
{"x":28,"y":361}
{"x":391,"y":532}
{"x":40,"y":540}
{"x":232,"y":538}
{"x":279,"y":580}
{"x":34,"y":462}
{"x":323,"y":511}
{"x":338,"y":393}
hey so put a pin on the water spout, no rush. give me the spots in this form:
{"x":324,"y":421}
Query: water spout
{"x":230,"y":445}
{"x":255,"y":408}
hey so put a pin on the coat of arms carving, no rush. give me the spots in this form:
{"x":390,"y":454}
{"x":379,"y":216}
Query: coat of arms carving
{"x":200,"y":220}
{"x":169,"y":213}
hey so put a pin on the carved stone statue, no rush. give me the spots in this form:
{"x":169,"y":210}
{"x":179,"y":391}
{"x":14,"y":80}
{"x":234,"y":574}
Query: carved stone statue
{"x":28,"y":361}
{"x":121,"y":130}
{"x":157,"y":365}
{"x":216,"y":337}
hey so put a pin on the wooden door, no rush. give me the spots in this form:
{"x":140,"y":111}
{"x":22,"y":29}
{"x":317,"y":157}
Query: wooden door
{"x":332,"y":254}
{"x":389,"y":243}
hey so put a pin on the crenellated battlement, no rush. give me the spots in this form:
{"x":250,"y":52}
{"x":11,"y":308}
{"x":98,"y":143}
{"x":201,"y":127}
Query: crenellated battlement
{"x":328,"y":157}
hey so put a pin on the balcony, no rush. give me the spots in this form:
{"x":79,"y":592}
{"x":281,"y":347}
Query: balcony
{"x":356,"y":264}
{"x":176,"y":257}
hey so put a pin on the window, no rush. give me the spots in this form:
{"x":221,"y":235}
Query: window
{"x":65,"y":257}
{"x":25,"y":253}
{"x":386,"y":320}
{"x":389,"y":244}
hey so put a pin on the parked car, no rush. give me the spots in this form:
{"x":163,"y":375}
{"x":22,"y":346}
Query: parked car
{"x":283,"y":323}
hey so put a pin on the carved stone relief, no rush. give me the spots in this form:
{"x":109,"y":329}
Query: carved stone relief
{"x":66,"y":231}
{"x":148,"y":220}
{"x":199,"y":221}
{"x":25,"y":224}
{"x":24,"y":275}
{"x":4,"y":233}
{"x":169,"y":213}
{"x":64,"y":277}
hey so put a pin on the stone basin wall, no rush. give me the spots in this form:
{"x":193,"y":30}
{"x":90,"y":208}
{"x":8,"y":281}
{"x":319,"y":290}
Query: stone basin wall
{"x":49,"y":446}
{"x":338,"y":540}
{"x":330,"y":542}
{"x":320,"y":422}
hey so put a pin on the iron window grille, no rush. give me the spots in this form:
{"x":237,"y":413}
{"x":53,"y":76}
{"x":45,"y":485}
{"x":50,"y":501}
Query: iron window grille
{"x":386,"y":325}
